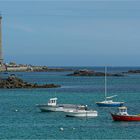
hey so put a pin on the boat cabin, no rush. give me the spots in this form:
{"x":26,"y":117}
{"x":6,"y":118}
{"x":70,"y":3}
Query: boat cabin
{"x":108,"y":101}
{"x":52,"y":102}
{"x":123,"y":111}
{"x":82,"y":107}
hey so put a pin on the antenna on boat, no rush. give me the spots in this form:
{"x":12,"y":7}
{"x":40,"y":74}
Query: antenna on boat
{"x":105,"y":82}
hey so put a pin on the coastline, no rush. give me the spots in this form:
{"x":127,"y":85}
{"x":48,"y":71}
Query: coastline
{"x":99,"y":70}
{"x":30,"y":68}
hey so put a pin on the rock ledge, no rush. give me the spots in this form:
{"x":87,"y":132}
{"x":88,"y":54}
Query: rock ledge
{"x":15,"y":82}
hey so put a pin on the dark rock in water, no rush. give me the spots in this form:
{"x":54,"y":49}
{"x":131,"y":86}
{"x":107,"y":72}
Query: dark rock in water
{"x":92,"y":73}
{"x":82,"y":73}
{"x":118,"y":74}
{"x":133,"y":71}
{"x":15,"y":82}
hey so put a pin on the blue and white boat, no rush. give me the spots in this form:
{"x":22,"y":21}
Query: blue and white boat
{"x":108,"y":102}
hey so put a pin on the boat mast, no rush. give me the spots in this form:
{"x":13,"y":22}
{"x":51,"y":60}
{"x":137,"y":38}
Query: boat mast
{"x":105,"y":82}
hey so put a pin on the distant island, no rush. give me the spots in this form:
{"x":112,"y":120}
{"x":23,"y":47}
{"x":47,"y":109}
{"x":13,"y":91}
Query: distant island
{"x":14,"y":82}
{"x":92,"y":73}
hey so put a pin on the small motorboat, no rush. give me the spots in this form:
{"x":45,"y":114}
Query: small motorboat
{"x":81,"y":111}
{"x":52,"y":106}
{"x":122,"y":115}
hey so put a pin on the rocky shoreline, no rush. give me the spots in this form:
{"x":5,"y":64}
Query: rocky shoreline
{"x":14,"y":82}
{"x":46,"y":69}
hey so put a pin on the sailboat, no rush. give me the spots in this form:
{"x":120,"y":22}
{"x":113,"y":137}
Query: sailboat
{"x":108,"y":102}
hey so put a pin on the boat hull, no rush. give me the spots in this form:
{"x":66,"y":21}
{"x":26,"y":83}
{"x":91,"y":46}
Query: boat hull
{"x":116,"y":117}
{"x":109,"y":104}
{"x":82,"y":114}
{"x":59,"y":108}
{"x":50,"y":109}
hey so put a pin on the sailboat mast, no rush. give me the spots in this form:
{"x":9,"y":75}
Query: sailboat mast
{"x":105,"y":82}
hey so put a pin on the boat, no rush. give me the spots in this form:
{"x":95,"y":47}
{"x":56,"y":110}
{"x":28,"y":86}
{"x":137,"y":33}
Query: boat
{"x":122,"y":115}
{"x":81,"y":112}
{"x":108,"y":102}
{"x":52,"y":106}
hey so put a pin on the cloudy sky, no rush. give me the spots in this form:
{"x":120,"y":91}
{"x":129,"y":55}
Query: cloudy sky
{"x":71,"y":32}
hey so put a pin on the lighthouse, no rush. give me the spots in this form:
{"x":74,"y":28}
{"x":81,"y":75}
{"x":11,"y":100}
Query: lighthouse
{"x":1,"y":59}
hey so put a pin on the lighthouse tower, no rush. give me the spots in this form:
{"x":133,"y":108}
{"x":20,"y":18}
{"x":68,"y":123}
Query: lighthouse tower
{"x":1,"y":59}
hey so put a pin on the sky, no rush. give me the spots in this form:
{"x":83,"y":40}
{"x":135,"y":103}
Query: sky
{"x":71,"y":32}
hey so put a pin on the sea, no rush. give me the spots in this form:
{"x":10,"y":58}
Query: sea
{"x":21,"y":119}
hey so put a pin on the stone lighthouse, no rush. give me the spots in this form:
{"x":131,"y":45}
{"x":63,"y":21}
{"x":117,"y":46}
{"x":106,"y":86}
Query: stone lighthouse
{"x":1,"y":59}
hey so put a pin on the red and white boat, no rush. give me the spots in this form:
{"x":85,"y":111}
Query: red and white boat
{"x":122,"y":115}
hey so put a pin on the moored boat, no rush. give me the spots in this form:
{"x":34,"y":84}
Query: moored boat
{"x":108,"y":102}
{"x":122,"y":115}
{"x":52,"y":106}
{"x":81,"y":112}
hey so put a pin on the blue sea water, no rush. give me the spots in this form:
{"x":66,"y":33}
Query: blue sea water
{"x":29,"y":123}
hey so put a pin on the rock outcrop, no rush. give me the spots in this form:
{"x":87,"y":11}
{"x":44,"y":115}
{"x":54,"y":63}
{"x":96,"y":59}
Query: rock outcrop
{"x":92,"y":73}
{"x":15,"y":82}
{"x":133,"y":71}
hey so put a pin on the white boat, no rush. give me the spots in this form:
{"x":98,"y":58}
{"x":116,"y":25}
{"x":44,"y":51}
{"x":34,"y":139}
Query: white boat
{"x":52,"y":106}
{"x":81,"y":112}
{"x":108,"y":102}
